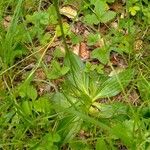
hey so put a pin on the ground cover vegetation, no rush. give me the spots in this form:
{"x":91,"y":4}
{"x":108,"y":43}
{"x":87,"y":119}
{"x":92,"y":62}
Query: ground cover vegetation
{"x":75,"y":74}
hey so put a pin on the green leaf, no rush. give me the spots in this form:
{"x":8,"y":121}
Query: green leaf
{"x":68,"y":127}
{"x":66,"y":28}
{"x":73,"y":61}
{"x":124,"y":131}
{"x":101,"y":144}
{"x":42,"y":105}
{"x":91,"y":19}
{"x":90,"y":67}
{"x":93,"y":39}
{"x":48,"y":141}
{"x":115,"y":84}
{"x":52,"y":15}
{"x":108,"y":110}
{"x":60,"y":100}
{"x":110,"y":1}
{"x":64,"y":70}
{"x":38,"y":17}
{"x":144,"y":89}
{"x":109,"y":15}
{"x":58,"y":53}
{"x":27,"y":90}
{"x":45,"y":38}
{"x":75,"y":39}
{"x":32,"y":92}
{"x":101,"y":8}
{"x":79,"y":145}
{"x":101,"y":12}
{"x":100,"y":69}
{"x":27,"y":107}
{"x":56,"y":70}
{"x":133,"y":10}
{"x":102,"y":54}
{"x":56,"y":137}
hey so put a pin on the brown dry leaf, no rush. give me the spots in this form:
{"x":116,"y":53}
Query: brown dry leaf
{"x":76,"y":49}
{"x":118,"y":61}
{"x":134,"y":97}
{"x":83,"y":51}
{"x":138,"y":45}
{"x":117,"y":6}
{"x":43,"y":88}
{"x":80,"y":28}
{"x":69,"y":12}
{"x":62,"y":49}
{"x":2,"y":85}
{"x":114,"y":25}
{"x":83,"y":134}
{"x":39,"y":74}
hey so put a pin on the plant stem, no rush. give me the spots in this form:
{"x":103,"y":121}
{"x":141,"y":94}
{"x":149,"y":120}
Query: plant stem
{"x":61,"y":25}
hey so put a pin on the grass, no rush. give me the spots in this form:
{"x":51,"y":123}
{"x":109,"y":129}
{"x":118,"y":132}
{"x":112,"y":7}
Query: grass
{"x":52,"y":98}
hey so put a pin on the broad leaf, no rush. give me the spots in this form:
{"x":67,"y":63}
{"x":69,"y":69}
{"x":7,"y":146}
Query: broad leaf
{"x":101,"y":7}
{"x":102,"y":54}
{"x":93,"y":39}
{"x":124,"y":131}
{"x":76,"y":76}
{"x":68,"y":127}
{"x":91,"y":19}
{"x":108,"y":110}
{"x":27,"y":90}
{"x":42,"y":105}
{"x":27,"y":107}
{"x":101,"y":144}
{"x":109,"y":15}
{"x":56,"y":70}
{"x":115,"y":84}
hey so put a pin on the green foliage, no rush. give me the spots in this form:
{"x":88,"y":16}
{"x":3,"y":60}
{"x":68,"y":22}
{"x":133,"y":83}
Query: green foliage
{"x":101,"y":13}
{"x":27,"y":90}
{"x":65,"y":27}
{"x":48,"y":142}
{"x":93,"y":39}
{"x":75,"y":39}
{"x":143,"y":87}
{"x":115,"y":84}
{"x":42,"y":105}
{"x":102,"y":54}
{"x":56,"y":70}
{"x":108,"y":110}
{"x":38,"y":18}
{"x":133,"y":10}
{"x":8,"y":44}
{"x":66,"y":102}
{"x":101,"y":144}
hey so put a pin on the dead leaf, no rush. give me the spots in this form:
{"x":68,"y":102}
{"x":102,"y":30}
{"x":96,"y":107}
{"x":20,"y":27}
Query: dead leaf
{"x":83,"y":51}
{"x":138,"y":45}
{"x":7,"y":21}
{"x":134,"y":97}
{"x":117,"y":6}
{"x":114,"y":25}
{"x":39,"y":74}
{"x":62,"y":49}
{"x":69,"y":12}
{"x":76,"y":49}
{"x":117,"y":60}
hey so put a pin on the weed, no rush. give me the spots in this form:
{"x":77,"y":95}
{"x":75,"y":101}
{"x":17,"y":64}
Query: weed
{"x":53,"y":98}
